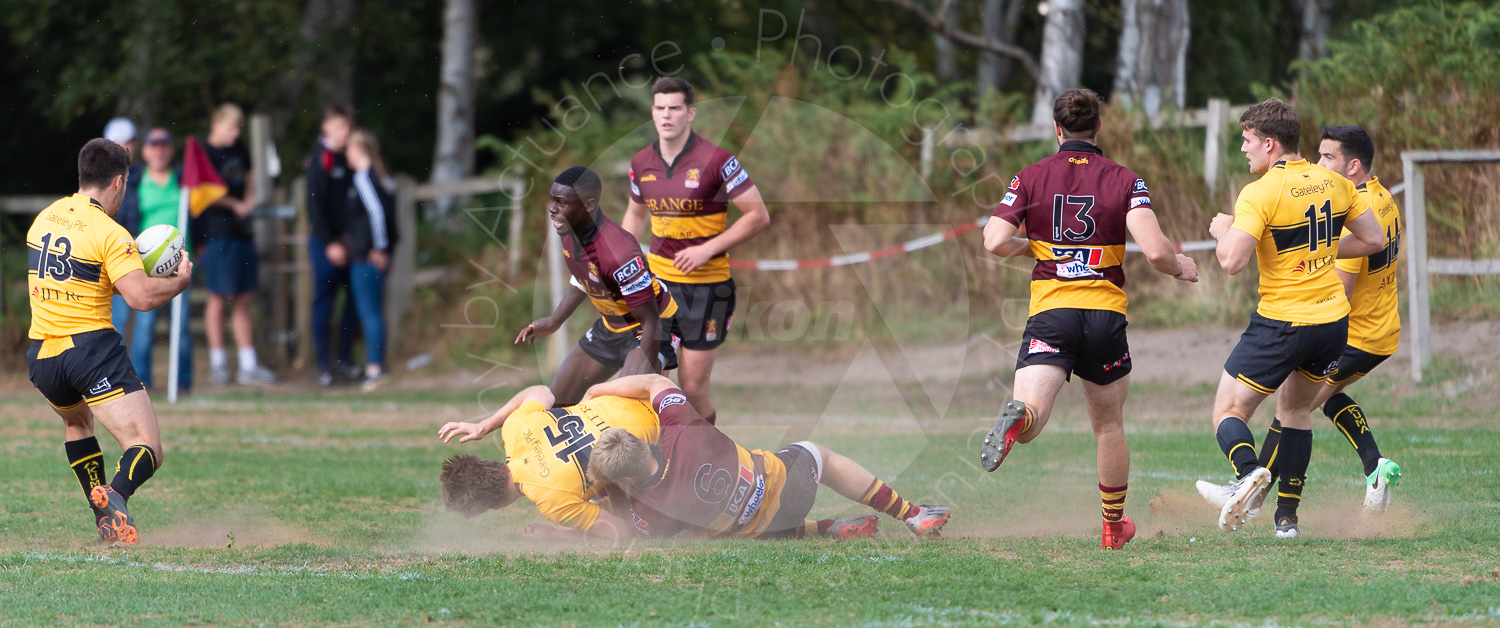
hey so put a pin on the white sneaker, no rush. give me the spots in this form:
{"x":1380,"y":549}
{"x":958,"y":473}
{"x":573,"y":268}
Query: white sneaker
{"x":1286,"y":528}
{"x":1379,"y":484}
{"x":1236,"y":509}
{"x":1218,"y":494}
{"x":258,"y":376}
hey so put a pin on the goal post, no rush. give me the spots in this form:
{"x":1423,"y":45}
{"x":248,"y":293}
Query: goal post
{"x":1418,"y":266}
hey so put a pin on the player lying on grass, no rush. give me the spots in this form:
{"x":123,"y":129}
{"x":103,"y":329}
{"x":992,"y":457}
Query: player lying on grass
{"x":1076,"y":207}
{"x":607,"y":268}
{"x":1374,"y":326}
{"x":547,"y":454}
{"x":697,"y":480}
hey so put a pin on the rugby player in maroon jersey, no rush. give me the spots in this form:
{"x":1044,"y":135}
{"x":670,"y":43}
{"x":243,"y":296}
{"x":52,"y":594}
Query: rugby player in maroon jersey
{"x":608,"y":270}
{"x":1077,"y":206}
{"x":684,"y":185}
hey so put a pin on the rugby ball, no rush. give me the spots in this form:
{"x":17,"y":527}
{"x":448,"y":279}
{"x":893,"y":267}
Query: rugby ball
{"x":161,"y":250}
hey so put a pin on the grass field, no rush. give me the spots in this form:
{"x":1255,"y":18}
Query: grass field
{"x":313,"y":508}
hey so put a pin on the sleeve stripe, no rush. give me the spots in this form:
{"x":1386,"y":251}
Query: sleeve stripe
{"x":373,"y":208}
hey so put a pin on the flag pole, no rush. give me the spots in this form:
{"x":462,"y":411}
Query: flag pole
{"x":178,"y":303}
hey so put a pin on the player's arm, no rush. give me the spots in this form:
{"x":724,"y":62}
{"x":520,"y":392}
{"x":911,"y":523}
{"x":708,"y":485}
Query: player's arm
{"x":1158,"y":250}
{"x":636,"y":218}
{"x":144,"y":293}
{"x":610,"y":526}
{"x":643,"y":358}
{"x":1366,"y":237}
{"x":754,"y":218}
{"x":999,"y":238}
{"x":632,"y":387}
{"x":475,"y":431}
{"x":1347,"y":278}
{"x":548,"y":325}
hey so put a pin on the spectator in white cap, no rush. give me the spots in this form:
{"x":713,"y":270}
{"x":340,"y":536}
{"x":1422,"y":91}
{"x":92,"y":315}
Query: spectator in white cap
{"x":122,"y":131}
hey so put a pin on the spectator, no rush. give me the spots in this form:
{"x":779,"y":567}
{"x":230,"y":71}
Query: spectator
{"x":369,"y":237}
{"x":122,"y":131}
{"x":328,"y":184}
{"x":228,"y":254}
{"x":158,"y":194}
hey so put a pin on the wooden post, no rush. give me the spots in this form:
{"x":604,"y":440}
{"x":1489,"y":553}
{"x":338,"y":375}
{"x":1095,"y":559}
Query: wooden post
{"x":1213,"y":142}
{"x":1416,"y":266}
{"x":304,"y":290}
{"x":399,"y":284}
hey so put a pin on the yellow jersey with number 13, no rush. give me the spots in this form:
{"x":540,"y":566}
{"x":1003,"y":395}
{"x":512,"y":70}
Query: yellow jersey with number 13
{"x":1297,"y":212}
{"x":1375,"y":317}
{"x":74,"y":254}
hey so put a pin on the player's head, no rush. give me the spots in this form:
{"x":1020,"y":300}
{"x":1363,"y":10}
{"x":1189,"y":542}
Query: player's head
{"x":1269,"y":129}
{"x":338,"y":122}
{"x":224,"y":125}
{"x":1077,"y":114}
{"x":364,"y":152}
{"x":620,"y":458}
{"x":158,"y":149}
{"x":101,"y":173}
{"x":473,"y":485}
{"x":574,"y":194}
{"x":1348,"y":150}
{"x":672,"y":109}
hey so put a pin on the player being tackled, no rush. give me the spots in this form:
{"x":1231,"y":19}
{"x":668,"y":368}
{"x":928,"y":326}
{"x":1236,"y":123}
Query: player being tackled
{"x":697,"y":480}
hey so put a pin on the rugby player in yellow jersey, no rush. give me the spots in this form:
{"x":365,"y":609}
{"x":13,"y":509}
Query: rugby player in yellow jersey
{"x":1290,"y":221}
{"x":547,"y":454}
{"x":1374,"y":322}
{"x":77,"y":259}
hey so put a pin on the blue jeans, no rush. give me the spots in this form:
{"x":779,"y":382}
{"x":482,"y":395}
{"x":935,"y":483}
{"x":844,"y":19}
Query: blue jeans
{"x":143,"y":338}
{"x":368,"y":287}
{"x":328,"y":280}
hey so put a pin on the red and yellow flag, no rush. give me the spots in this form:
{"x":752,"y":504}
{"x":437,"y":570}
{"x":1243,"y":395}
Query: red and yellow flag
{"x":200,"y":178}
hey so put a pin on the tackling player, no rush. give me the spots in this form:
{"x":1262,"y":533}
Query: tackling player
{"x":1077,"y":206}
{"x":547,"y":452}
{"x":77,"y":258}
{"x":607,"y":269}
{"x":686,"y":184}
{"x":698,"y":480}
{"x":1291,"y":221}
{"x":1374,"y":323}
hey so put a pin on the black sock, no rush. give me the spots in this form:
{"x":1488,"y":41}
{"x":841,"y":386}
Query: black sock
{"x":136,"y":466}
{"x":1238,"y":444}
{"x":87,"y":461}
{"x":1268,"y":447}
{"x":1350,"y":420}
{"x":1296,"y":451}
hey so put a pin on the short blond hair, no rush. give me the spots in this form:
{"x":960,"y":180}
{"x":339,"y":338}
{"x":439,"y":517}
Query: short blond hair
{"x":228,"y":110}
{"x":619,"y":454}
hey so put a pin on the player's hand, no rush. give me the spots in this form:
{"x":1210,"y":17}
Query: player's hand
{"x":690,"y":258}
{"x":1220,"y":225}
{"x":537,"y":329}
{"x":1189,"y":269}
{"x":184,"y":269}
{"x":380,"y":260}
{"x":336,"y":254}
{"x":469,"y":431}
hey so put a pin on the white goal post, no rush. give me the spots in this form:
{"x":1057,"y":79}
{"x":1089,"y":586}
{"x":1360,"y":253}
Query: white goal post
{"x":1418,"y":266}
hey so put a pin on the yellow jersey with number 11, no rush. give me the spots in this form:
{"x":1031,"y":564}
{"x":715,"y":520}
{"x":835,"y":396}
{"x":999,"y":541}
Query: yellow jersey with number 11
{"x":1375,"y":317}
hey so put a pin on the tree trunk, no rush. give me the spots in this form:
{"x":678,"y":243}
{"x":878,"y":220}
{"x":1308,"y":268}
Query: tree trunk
{"x":947,"y":68}
{"x":1151,"y":69}
{"x":138,"y":98}
{"x":453,"y":156}
{"x":1062,"y":56}
{"x":997,"y":21}
{"x":1315,"y":18}
{"x":325,"y":50}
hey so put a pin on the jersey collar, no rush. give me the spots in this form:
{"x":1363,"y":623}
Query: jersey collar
{"x":661,"y":469}
{"x":687,"y":146}
{"x":586,"y":237}
{"x":90,"y":201}
{"x":1079,"y":146}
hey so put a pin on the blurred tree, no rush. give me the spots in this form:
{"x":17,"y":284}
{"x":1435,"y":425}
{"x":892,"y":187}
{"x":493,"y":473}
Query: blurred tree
{"x":453,"y":157}
{"x":997,"y":20}
{"x":1061,"y":58}
{"x":1151,"y":68}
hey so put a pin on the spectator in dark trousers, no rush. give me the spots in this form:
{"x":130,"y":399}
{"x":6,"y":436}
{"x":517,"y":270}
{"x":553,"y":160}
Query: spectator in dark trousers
{"x":228,"y":256}
{"x":328,"y":185}
{"x":370,"y":237}
{"x":158,"y":195}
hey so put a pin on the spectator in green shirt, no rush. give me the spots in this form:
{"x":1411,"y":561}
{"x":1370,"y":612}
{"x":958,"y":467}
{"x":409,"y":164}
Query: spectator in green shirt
{"x":160,"y":197}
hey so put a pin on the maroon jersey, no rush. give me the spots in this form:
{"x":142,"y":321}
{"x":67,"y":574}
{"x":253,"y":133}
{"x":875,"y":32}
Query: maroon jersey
{"x":606,"y":263}
{"x":705,"y":483}
{"x":1074,"y":205}
{"x":689,"y":203}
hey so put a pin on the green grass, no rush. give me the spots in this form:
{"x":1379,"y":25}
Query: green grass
{"x":326,"y":510}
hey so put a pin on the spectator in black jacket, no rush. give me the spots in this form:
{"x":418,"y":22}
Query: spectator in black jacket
{"x":328,"y":184}
{"x":369,"y":238}
{"x":122,"y":131}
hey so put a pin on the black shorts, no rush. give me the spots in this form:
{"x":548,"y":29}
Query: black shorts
{"x":704,"y":311}
{"x":1088,"y":343}
{"x":1270,"y":350}
{"x":1353,"y":365}
{"x":90,"y":367}
{"x":611,"y":347}
{"x":803,"y":468}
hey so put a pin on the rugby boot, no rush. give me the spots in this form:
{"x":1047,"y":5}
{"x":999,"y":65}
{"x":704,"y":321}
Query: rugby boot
{"x":863,"y":527}
{"x":1003,"y":436}
{"x":1286,"y":527}
{"x":1379,"y":484}
{"x":120,"y":527}
{"x":928,"y":520}
{"x":1218,"y":494}
{"x":1236,"y":508}
{"x":1118,"y":533}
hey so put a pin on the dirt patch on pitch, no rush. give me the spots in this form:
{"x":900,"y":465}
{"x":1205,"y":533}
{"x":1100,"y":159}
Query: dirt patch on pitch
{"x":232,"y":528}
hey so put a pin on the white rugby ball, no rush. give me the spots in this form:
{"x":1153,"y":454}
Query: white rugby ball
{"x":161,"y":250}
